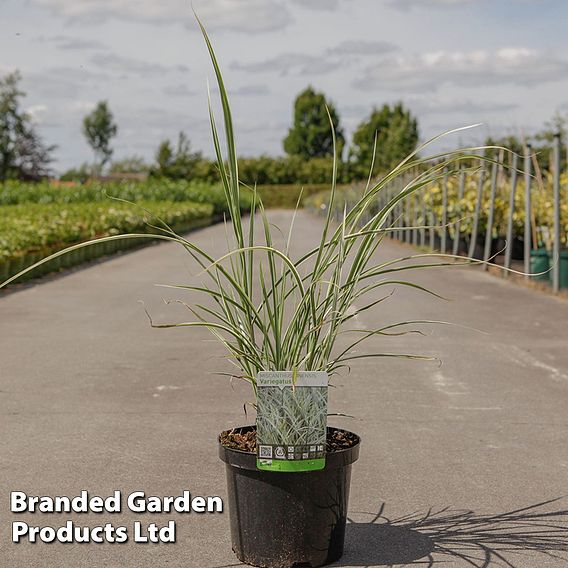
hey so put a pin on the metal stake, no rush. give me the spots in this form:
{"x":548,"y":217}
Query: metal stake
{"x":514,"y":178}
{"x":461,"y":191}
{"x":473,"y":237}
{"x":556,"y":190}
{"x":527,"y":235}
{"x":490,"y":215}
{"x":407,"y":220}
{"x":444,"y":214}
{"x":414,"y":220}
{"x":423,"y":222}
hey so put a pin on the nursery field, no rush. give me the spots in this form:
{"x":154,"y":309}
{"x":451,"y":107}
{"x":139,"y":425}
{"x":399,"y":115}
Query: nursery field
{"x":29,"y":232}
{"x":39,"y":219}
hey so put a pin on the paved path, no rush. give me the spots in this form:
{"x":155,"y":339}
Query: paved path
{"x":92,"y":398}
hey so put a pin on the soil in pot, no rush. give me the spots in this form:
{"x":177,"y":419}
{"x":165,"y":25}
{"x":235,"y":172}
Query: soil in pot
{"x":244,"y":439}
{"x":287,"y":520}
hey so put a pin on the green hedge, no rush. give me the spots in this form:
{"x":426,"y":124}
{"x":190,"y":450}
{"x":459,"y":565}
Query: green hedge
{"x":13,"y":193}
{"x":44,"y":228}
{"x":289,"y":170}
{"x":283,"y":196}
{"x":286,"y":196}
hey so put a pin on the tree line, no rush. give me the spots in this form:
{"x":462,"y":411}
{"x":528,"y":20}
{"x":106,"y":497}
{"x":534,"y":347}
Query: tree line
{"x":386,"y":136}
{"x":308,"y":146}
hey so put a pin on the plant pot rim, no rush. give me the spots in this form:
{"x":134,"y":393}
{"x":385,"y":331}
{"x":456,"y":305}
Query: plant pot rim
{"x":247,"y":460}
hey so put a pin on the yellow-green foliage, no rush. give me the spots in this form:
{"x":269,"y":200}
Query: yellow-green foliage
{"x":464,"y":209}
{"x":542,"y":205}
{"x":47,"y":217}
{"x":34,"y":227}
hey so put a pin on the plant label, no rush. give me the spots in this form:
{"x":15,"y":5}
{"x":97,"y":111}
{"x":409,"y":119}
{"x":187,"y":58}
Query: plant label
{"x":291,"y":420}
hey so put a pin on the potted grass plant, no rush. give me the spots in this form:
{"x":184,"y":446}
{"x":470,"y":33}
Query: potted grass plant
{"x":276,"y":313}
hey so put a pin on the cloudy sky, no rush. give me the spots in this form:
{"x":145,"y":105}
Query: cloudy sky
{"x":454,"y":62}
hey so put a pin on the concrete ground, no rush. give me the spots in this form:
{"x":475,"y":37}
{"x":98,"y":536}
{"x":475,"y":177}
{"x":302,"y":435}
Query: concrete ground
{"x":92,"y":398}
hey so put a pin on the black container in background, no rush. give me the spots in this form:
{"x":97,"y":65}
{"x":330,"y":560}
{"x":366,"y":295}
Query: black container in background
{"x":285,"y":520}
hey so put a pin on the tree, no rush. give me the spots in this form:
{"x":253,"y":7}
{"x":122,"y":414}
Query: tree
{"x":185,"y":160}
{"x":99,"y":128}
{"x":22,"y":152}
{"x":310,"y":135}
{"x":396,"y":132}
{"x":164,"y":156}
{"x":34,"y":156}
{"x":179,"y":164}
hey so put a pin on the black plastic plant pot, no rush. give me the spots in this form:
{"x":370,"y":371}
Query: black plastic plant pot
{"x":286,"y":520}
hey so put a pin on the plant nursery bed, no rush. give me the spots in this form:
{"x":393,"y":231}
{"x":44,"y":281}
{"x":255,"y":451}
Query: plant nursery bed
{"x":84,"y":256}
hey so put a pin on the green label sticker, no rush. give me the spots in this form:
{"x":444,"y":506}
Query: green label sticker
{"x":291,"y":420}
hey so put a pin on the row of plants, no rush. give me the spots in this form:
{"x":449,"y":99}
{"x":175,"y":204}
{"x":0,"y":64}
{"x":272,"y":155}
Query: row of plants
{"x":430,"y":200}
{"x":39,"y":218}
{"x":42,"y":228}
{"x":542,"y":209}
{"x":284,"y":196}
{"x":16,"y":192}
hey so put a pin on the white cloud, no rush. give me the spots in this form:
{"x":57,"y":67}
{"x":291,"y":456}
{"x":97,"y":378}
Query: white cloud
{"x":520,"y":66}
{"x":250,"y":16}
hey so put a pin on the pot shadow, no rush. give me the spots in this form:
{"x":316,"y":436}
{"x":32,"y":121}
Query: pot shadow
{"x":463,"y":537}
{"x":382,"y":544}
